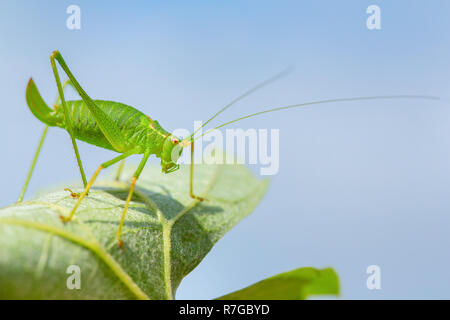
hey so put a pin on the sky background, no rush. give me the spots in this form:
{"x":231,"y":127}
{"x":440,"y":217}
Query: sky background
{"x":359,"y":183}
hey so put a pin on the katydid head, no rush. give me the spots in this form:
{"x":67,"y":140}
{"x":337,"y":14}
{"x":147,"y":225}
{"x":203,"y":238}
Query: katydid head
{"x":171,"y":152}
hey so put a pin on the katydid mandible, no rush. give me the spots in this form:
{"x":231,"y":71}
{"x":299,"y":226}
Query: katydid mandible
{"x":124,"y":129}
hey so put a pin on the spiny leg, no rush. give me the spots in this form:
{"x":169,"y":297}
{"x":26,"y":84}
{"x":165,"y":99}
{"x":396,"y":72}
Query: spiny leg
{"x":67,"y":118}
{"x":91,"y":182}
{"x":191,"y":178}
{"x":130,"y":194}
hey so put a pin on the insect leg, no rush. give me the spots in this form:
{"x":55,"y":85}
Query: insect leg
{"x":191,"y":177}
{"x":130,"y":194}
{"x":67,"y":118}
{"x":64,"y":86}
{"x":109,"y":128}
{"x":119,"y":170}
{"x":38,"y":150}
{"x":91,"y":182}
{"x":33,"y":164}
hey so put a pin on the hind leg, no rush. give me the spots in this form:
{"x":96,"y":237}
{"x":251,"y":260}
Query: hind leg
{"x":67,"y":118}
{"x":38,"y":150}
{"x":33,"y":164}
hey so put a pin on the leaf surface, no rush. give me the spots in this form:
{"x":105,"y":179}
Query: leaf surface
{"x":297,"y":284}
{"x":166,"y":235}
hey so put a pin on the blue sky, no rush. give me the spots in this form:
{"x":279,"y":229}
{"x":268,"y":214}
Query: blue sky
{"x":359,"y":183}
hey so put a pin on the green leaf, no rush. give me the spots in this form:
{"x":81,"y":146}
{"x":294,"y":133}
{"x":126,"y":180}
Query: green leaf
{"x":166,"y":235}
{"x":297,"y":284}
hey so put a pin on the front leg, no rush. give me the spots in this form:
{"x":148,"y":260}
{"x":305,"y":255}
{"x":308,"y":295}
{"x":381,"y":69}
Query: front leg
{"x":191,"y":178}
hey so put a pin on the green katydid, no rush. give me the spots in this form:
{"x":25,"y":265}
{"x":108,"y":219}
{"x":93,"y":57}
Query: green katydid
{"x":124,"y":129}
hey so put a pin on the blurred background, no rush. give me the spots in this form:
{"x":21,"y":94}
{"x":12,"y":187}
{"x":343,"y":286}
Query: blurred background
{"x":360,"y":183}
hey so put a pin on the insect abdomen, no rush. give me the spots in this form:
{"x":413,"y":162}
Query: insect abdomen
{"x":137,"y":128}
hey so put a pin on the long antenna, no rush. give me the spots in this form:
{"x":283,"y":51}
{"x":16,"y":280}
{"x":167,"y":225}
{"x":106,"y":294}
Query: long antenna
{"x":321,"y":102}
{"x":247,"y":93}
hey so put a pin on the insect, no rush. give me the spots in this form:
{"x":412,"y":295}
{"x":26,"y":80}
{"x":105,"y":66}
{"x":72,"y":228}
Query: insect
{"x":126,"y":130}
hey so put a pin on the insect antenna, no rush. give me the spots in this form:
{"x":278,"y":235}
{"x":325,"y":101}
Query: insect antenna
{"x":245,"y":94}
{"x":320,"y":102}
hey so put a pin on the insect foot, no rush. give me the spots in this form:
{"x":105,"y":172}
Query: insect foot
{"x":193,"y":196}
{"x":64,"y":219}
{"x":121,"y":244}
{"x":74,"y":195}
